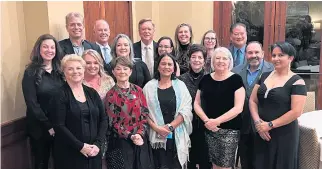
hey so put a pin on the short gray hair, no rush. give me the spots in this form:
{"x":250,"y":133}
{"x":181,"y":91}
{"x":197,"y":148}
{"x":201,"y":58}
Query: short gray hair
{"x":113,"y":46}
{"x":227,"y":53}
{"x":73,"y":15}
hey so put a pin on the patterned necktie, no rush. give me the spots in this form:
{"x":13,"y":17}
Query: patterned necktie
{"x":148,"y":60}
{"x":237,"y":58}
{"x":106,"y":54}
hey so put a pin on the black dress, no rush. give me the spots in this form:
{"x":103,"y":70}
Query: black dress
{"x":281,"y":152}
{"x":217,"y":98}
{"x":167,"y":159}
{"x":77,"y":123}
{"x":198,"y":153}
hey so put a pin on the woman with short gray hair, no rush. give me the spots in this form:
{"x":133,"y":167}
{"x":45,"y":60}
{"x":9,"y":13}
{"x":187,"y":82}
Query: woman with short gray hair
{"x":219,"y":102}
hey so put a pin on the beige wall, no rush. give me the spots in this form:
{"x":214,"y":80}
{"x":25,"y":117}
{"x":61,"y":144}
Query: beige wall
{"x":14,"y":57}
{"x":56,"y":15}
{"x":167,"y":15}
{"x":21,"y":24}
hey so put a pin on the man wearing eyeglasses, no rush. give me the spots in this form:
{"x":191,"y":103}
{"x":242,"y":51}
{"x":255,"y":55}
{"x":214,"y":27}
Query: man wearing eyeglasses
{"x":146,"y":48}
{"x":238,"y":38}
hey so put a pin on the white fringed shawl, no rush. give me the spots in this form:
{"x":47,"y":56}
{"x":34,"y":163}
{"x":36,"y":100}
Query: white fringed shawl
{"x":183,"y":107}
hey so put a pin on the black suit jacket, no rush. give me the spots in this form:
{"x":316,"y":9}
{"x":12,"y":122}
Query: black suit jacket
{"x":67,"y":48}
{"x":138,"y":52}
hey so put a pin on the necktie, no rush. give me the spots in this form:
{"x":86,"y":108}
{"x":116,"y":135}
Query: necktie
{"x":106,"y":54}
{"x":148,"y":60}
{"x":237,"y":58}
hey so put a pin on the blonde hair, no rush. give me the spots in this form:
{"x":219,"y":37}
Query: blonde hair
{"x":142,"y":21}
{"x":227,"y":53}
{"x":98,"y":59}
{"x":72,"y":57}
{"x":73,"y":15}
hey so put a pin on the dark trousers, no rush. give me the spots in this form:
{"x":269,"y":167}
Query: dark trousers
{"x":41,"y":149}
{"x":246,"y":150}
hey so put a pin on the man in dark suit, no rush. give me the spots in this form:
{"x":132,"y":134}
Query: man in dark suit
{"x":102,"y":34}
{"x":146,"y":49}
{"x":76,"y":44}
{"x":238,"y":38}
{"x":250,"y":72}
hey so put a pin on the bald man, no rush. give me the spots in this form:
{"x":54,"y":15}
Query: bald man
{"x":102,"y":34}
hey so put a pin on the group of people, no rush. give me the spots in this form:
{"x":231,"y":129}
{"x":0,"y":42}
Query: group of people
{"x":160,"y":105}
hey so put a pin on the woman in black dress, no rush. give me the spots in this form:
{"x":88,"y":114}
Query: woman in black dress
{"x":183,"y":38}
{"x":42,"y":76}
{"x":219,"y":102}
{"x":275,"y":104}
{"x":170,"y":116}
{"x":198,"y":152}
{"x":122,"y":46}
{"x":79,"y":120}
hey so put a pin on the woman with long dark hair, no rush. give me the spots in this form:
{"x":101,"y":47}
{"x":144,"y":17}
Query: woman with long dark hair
{"x":42,"y":76}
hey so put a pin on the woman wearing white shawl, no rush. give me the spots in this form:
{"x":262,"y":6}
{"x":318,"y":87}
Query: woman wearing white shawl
{"x":175,"y":99}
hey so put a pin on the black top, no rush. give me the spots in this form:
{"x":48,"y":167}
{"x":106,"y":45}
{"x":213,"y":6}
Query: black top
{"x":217,"y":97}
{"x":68,"y":121}
{"x":37,"y":98}
{"x":167,"y":99}
{"x":278,"y":98}
{"x":85,"y":111}
{"x":182,"y":58}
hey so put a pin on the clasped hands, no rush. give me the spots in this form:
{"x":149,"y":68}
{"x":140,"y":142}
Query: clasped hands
{"x":89,"y":150}
{"x":212,"y":124}
{"x":163,"y":131}
{"x":137,"y":139}
{"x":262,"y":128}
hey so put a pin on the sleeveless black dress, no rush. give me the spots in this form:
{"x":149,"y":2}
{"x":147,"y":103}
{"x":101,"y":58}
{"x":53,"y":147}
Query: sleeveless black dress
{"x":281,"y":152}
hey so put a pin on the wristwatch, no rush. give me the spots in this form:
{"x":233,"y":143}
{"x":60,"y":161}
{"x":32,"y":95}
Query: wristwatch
{"x":270,"y":124}
{"x":170,"y":127}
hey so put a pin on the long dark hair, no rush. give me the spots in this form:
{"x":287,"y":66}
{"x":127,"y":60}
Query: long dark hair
{"x":36,"y":66}
{"x":157,"y":73}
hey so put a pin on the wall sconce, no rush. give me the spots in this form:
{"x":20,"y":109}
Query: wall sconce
{"x":316,"y":25}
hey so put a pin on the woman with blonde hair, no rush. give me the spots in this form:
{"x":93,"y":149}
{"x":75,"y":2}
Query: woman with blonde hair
{"x":219,"y":102}
{"x":79,"y":120}
{"x":95,"y":75}
{"x":183,"y":39}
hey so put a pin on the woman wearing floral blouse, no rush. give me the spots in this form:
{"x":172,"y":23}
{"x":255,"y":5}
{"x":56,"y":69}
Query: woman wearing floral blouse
{"x":127,"y":110}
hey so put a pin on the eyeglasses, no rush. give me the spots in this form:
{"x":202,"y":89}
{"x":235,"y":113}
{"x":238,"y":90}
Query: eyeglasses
{"x":164,"y":47}
{"x":210,"y":39}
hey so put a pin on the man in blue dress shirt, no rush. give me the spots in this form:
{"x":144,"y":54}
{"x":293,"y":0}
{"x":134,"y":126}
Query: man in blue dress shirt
{"x":238,"y":38}
{"x":250,"y":72}
{"x":102,"y":34}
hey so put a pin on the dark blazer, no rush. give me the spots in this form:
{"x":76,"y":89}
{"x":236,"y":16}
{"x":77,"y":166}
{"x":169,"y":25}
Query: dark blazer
{"x":69,"y":127}
{"x":67,"y":48}
{"x":247,"y":123}
{"x":231,"y":49}
{"x":138,"y":52}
